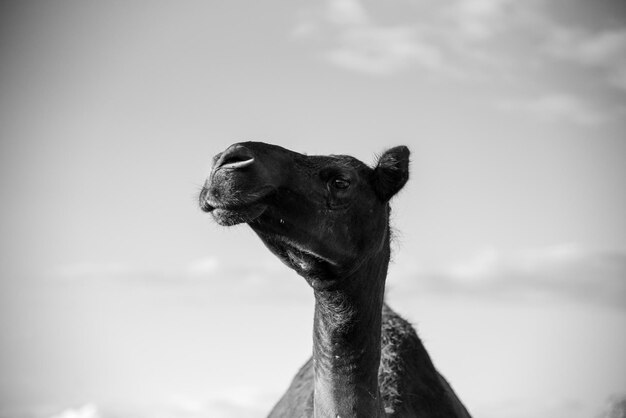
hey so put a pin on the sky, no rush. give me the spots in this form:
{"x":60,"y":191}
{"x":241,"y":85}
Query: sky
{"x":119,"y":297}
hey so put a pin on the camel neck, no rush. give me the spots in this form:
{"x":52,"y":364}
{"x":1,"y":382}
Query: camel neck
{"x":346,"y":344}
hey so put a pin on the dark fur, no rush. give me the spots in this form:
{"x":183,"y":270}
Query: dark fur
{"x":410,"y":384}
{"x":327,"y":218}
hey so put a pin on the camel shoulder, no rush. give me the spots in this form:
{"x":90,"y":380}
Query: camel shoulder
{"x":410,"y":384}
{"x":297,"y":402}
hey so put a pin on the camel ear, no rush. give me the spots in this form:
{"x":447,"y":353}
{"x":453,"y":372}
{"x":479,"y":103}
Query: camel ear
{"x":391,"y":172}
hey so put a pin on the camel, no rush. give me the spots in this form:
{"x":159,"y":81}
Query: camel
{"x":327,"y":218}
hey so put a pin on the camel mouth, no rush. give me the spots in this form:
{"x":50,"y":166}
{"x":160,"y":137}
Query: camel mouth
{"x":228,"y":215}
{"x":235,"y":211}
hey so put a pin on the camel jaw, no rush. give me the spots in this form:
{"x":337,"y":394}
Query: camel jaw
{"x":319,"y":271}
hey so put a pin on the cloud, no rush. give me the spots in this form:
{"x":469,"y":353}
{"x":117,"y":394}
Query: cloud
{"x":203,"y":267}
{"x":562,"y":271}
{"x":256,"y":279}
{"x":181,"y":408}
{"x":236,"y":403}
{"x":560,"y":107}
{"x":601,"y":50}
{"x":347,"y":12}
{"x":383,"y":51}
{"x":524,"y":407}
{"x":442,"y":39}
{"x":504,"y":43}
{"x":93,"y":270}
{"x":86,"y":411}
{"x":231,"y":402}
{"x":115,"y":271}
{"x":480,"y":19}
{"x":251,"y":403}
{"x":355,"y":41}
{"x":615,"y":407}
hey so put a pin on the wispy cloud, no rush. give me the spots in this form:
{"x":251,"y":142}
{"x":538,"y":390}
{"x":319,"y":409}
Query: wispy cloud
{"x":365,"y":46}
{"x":480,"y":19}
{"x":498,"y":44}
{"x":251,"y":403}
{"x":443,"y":39}
{"x":232,"y":402}
{"x":561,"y":271}
{"x":198,"y":269}
{"x":355,"y":41}
{"x":601,"y":50}
{"x":251,"y":279}
{"x":384,"y":50}
{"x":203,"y":267}
{"x":241,"y":402}
{"x":615,"y":407}
{"x":86,"y":411}
{"x":347,"y":12}
{"x":94,"y":270}
{"x":560,"y":107}
{"x":524,"y":407}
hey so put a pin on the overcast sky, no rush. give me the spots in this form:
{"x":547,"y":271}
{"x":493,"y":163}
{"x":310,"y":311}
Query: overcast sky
{"x":118,"y":297}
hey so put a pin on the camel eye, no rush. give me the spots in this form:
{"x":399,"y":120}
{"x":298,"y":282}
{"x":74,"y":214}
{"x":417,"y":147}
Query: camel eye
{"x":340,"y":183}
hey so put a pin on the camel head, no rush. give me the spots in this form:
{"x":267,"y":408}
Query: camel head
{"x":321,"y":215}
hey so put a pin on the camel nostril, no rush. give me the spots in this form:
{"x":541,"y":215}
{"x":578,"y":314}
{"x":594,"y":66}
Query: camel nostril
{"x":235,"y":157}
{"x":237,"y":161}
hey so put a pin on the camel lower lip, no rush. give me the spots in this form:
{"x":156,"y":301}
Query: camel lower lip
{"x":229,"y":217}
{"x":209,"y":205}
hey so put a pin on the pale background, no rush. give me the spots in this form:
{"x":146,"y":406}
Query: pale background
{"x":119,"y":298}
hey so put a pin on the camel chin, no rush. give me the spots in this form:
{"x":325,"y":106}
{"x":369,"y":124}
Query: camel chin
{"x":314,"y":267}
{"x":231,"y":217}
